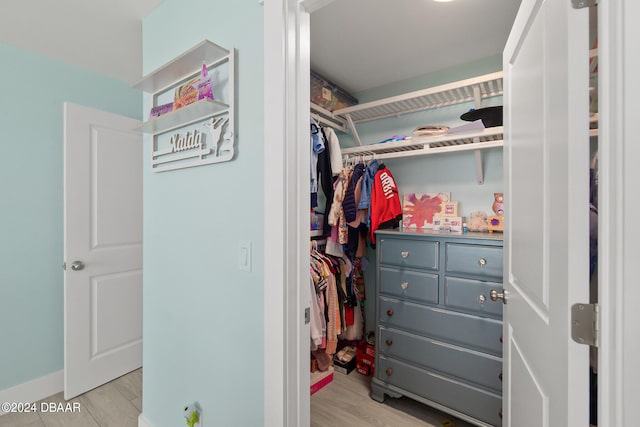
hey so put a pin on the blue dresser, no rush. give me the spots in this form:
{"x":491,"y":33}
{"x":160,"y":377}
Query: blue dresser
{"x":438,"y":334}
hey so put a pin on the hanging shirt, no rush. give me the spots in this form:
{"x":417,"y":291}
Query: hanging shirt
{"x":385,"y":202}
{"x":317,"y":147}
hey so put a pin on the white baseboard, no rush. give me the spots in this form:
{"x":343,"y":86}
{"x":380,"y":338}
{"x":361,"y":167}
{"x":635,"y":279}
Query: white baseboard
{"x":142,"y":421}
{"x":34,"y":390}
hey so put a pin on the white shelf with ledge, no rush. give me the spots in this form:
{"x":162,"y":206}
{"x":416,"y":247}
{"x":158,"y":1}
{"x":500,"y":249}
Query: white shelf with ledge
{"x":191,"y":145}
{"x":475,"y":90}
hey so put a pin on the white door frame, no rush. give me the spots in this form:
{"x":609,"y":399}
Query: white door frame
{"x":286,"y":232}
{"x":618,"y":207}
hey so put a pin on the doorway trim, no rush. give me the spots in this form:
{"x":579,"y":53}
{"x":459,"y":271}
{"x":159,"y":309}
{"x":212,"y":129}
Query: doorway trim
{"x":619,"y":237}
{"x":285,"y":232}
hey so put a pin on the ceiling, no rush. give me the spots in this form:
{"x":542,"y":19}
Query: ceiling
{"x":104,"y":36}
{"x":359,"y":46}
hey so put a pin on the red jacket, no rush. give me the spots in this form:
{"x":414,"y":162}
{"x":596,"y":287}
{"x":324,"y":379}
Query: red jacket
{"x":385,"y":201}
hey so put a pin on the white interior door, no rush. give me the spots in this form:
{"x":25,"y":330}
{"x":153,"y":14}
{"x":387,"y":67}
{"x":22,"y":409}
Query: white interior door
{"x":546,"y":156}
{"x":102,"y":248}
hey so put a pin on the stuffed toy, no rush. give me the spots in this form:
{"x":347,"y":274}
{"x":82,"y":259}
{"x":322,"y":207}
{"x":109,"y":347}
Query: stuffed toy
{"x":478,"y":221}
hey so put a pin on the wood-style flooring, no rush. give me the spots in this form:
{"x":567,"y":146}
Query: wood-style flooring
{"x":115,"y":404}
{"x":345,"y":402}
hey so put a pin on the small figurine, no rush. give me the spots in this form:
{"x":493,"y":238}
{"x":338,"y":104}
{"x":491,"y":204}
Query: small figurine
{"x":498,"y":204}
{"x":192,"y":415}
{"x":496,"y":222}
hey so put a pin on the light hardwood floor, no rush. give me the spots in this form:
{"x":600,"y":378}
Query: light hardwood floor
{"x":115,"y":404}
{"x":345,"y":402}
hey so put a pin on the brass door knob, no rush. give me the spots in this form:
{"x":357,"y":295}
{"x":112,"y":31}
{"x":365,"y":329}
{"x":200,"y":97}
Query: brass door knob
{"x":389,"y":312}
{"x":389,"y":372}
{"x":389,"y":342}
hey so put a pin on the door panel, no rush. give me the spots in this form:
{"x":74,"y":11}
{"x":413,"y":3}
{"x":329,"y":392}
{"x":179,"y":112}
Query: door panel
{"x":103,"y":230}
{"x":546,"y":155}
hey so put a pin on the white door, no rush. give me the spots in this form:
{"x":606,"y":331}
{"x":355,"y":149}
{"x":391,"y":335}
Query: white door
{"x":102,"y":248}
{"x":546,"y":155}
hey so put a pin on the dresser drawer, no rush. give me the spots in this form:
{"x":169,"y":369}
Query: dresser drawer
{"x":480,"y":404}
{"x":465,"y":330}
{"x":409,"y":284}
{"x":409,"y":253}
{"x":469,"y":366}
{"x":476,"y":260}
{"x":472,"y":296}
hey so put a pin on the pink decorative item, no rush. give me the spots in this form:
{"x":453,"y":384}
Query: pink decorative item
{"x":498,"y":204}
{"x":418,"y":209}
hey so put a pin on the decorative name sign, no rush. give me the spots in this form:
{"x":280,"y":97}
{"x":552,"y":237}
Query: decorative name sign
{"x":195,"y":147}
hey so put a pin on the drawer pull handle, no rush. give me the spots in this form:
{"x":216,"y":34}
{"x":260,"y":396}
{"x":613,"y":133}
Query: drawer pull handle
{"x":495,"y":296}
{"x":389,"y":342}
{"x":500,"y":339}
{"x":481,"y":298}
{"x":482,"y":262}
{"x":500,"y":377}
{"x":405,"y":254}
{"x":404,"y":285}
{"x":500,"y":414}
{"x":389,"y":372}
{"x":389,"y":312}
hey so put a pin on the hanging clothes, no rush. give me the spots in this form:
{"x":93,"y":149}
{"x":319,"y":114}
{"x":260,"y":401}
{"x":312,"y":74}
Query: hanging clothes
{"x":325,"y":176}
{"x":334,"y":149}
{"x":317,"y":147}
{"x":386,"y":209}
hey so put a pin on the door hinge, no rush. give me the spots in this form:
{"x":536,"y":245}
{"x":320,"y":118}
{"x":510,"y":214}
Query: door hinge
{"x":307,"y":315}
{"x":579,"y":4}
{"x":585,"y":324}
{"x":64,"y":266}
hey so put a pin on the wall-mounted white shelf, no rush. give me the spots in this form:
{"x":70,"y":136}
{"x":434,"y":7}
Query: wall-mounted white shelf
{"x":183,"y":66}
{"x":474,"y":90}
{"x":191,"y":113}
{"x":209,"y":144}
{"x":428,"y":145}
{"x":439,"y":96}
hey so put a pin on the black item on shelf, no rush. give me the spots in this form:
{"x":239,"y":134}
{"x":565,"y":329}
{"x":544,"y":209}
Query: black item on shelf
{"x":490,"y":116}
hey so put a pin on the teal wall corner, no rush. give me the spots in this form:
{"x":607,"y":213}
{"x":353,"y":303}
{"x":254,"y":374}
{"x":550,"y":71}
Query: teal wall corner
{"x":34,"y":89}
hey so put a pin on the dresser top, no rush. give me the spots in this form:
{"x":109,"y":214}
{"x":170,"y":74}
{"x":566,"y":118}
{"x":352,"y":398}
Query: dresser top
{"x":445,"y":234}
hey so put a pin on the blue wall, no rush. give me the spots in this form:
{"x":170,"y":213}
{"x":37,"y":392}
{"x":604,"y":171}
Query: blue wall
{"x":203,"y":316}
{"x":33,"y":90}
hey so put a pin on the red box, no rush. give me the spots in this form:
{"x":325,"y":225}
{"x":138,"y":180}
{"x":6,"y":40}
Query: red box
{"x":365,"y":370}
{"x":370,"y":350}
{"x":365,"y":359}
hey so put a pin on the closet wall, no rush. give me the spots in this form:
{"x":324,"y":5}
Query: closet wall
{"x":451,"y":172}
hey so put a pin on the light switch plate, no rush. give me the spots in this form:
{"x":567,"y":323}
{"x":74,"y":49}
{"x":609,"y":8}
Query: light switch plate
{"x":244,"y":255}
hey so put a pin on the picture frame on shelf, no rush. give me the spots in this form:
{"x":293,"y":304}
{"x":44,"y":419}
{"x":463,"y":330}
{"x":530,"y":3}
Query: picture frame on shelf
{"x":449,"y":209}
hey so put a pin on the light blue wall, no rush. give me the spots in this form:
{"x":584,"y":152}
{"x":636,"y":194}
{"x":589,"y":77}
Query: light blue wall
{"x":33,"y":90}
{"x":203,"y":333}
